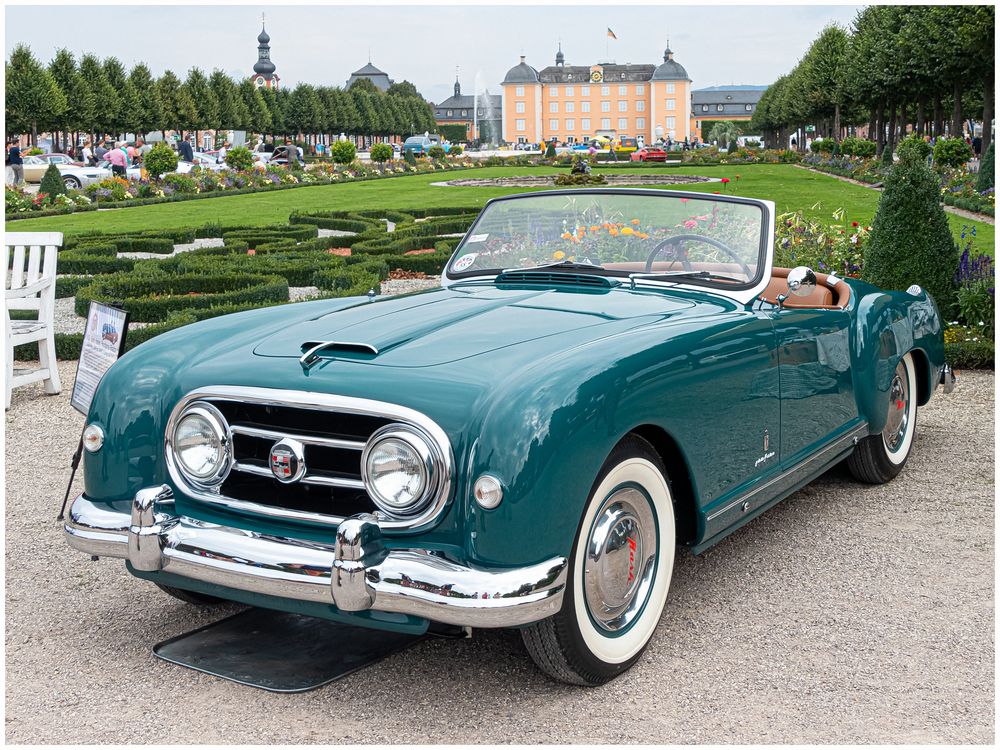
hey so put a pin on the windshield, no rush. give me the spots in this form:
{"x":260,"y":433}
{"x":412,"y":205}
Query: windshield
{"x":624,"y":232}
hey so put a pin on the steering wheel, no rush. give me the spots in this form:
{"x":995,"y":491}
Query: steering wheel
{"x":685,"y":261}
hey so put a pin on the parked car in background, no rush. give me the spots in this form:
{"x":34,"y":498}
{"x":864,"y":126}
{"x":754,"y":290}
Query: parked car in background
{"x":523,"y":447}
{"x":74,"y":175}
{"x":649,"y":153}
{"x":417,"y":145}
{"x":209,"y":160}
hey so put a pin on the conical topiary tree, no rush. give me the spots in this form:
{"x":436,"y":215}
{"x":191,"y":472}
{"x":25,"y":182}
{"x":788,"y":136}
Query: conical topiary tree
{"x":987,"y":174}
{"x":911,"y":242}
{"x":52,"y":182}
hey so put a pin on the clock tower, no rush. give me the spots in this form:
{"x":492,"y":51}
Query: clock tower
{"x":263,"y":70}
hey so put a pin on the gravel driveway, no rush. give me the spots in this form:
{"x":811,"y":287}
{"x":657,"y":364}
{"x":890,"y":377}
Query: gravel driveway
{"x":847,"y":614}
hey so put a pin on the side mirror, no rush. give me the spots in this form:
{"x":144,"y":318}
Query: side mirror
{"x":801,"y":281}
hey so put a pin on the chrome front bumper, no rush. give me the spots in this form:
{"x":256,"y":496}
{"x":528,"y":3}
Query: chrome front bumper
{"x":355,"y":574}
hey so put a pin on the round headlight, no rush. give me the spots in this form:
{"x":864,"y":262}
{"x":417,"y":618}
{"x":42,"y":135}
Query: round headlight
{"x":201,"y":445}
{"x":398,"y":470}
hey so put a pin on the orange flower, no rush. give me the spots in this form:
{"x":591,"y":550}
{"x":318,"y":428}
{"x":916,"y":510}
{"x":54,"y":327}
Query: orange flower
{"x":566,"y":235}
{"x":613,"y":232}
{"x":606,"y":225}
{"x":595,"y":228}
{"x":628,"y":230}
{"x":559,"y":254}
{"x":635,"y":222}
{"x":642,"y":235}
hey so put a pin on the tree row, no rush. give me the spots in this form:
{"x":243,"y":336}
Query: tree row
{"x":919,"y":68}
{"x":101,"y":97}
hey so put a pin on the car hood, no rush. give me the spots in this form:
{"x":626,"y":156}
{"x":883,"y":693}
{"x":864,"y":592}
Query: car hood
{"x":446,"y":325}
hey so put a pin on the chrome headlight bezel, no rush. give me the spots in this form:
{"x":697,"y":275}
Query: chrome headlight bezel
{"x":433,"y":465}
{"x":218,"y":424}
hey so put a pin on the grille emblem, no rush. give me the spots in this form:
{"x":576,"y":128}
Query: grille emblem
{"x":287,"y":460}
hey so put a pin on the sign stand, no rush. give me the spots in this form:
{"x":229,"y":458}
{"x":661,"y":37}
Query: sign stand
{"x":103,"y":343}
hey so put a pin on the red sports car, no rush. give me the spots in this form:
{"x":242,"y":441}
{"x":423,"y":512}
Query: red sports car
{"x":649,"y":153}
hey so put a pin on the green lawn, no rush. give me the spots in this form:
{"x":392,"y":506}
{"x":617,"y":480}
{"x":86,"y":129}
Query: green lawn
{"x":790,"y":188}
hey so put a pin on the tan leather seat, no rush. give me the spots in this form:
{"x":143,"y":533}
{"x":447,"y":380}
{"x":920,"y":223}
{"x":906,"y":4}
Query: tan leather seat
{"x":823,"y":297}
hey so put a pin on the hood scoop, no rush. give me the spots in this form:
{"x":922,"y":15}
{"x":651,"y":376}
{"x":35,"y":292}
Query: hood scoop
{"x":555,"y":278}
{"x":314,"y":351}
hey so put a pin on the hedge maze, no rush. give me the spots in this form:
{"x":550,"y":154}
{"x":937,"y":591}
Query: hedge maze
{"x":252,"y":267}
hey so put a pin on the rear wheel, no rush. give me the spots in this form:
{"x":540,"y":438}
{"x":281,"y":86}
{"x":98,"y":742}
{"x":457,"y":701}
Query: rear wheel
{"x":191,"y":597}
{"x":620,"y":571}
{"x":879,"y":458}
{"x":71,"y":182}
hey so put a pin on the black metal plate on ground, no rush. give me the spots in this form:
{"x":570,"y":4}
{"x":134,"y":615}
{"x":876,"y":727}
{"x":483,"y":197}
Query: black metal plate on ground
{"x":280,"y":651}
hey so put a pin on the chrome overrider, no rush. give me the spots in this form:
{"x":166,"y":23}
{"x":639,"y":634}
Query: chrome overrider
{"x":356,"y":573}
{"x":948,"y":378}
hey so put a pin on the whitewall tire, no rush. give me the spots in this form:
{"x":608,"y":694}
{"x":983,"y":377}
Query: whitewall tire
{"x":620,"y":571}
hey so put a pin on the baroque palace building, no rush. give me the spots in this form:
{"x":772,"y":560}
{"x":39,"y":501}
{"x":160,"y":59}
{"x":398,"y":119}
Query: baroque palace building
{"x":573,"y":103}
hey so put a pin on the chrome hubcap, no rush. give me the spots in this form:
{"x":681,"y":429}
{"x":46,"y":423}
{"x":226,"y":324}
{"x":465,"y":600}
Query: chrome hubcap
{"x":899,"y":411}
{"x":620,"y":559}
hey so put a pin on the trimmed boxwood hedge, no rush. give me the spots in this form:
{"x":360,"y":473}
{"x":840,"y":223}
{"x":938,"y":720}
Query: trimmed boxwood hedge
{"x":150,"y":297}
{"x":970,"y":355}
{"x":67,"y":286}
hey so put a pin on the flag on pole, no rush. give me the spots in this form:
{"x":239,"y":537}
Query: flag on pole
{"x":611,"y":34}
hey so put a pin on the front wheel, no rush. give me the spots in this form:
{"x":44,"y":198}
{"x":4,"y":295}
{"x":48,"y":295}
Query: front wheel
{"x":620,"y":571}
{"x":879,"y":458}
{"x":71,"y":183}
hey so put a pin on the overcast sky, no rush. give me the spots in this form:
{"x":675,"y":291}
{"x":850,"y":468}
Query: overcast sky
{"x":424,"y":44}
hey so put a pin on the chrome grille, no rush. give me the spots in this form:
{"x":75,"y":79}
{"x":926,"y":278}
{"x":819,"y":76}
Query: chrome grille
{"x":333,"y":431}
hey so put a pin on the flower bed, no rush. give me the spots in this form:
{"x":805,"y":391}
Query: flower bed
{"x":834,"y":248}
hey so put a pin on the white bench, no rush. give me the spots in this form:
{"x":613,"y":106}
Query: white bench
{"x":30,"y":284}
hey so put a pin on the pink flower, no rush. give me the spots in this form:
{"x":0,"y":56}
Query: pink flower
{"x":690,"y":224}
{"x":702,"y":218}
{"x":685,"y":200}
{"x":251,"y":251}
{"x":725,"y":180}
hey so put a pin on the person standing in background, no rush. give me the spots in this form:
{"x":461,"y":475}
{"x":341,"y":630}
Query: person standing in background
{"x":87,"y":154}
{"x":15,"y":163}
{"x":220,"y":157}
{"x":184,"y":150}
{"x":101,"y":152}
{"x":118,"y":159}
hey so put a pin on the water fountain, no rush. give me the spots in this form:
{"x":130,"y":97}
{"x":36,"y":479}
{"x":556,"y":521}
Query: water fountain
{"x":483,"y":109}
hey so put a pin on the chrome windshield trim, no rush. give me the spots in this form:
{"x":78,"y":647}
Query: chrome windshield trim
{"x":324,"y":402}
{"x":743,"y":296}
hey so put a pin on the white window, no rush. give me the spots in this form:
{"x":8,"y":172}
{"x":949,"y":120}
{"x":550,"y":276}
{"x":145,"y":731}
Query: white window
{"x":640,"y":90}
{"x":670,"y":88}
{"x":749,"y":108}
{"x":570,"y":124}
{"x":671,"y":123}
{"x":585,"y":124}
{"x":605,"y":106}
{"x":605,"y":90}
{"x":570,"y":106}
{"x":704,"y":108}
{"x":606,"y":123}
{"x":721,"y":107}
{"x":640,"y":106}
{"x":519,"y":91}
{"x":584,"y":106}
{"x":623,"y":91}
{"x":671,"y":105}
{"x":585,"y":91}
{"x":622,"y":105}
{"x":519,"y":124}
{"x":554,"y":90}
{"x":640,"y":123}
{"x":553,"y":106}
{"x":519,"y":108}
{"x":622,"y":123}
{"x":553,"y":124}
{"x":569,"y":91}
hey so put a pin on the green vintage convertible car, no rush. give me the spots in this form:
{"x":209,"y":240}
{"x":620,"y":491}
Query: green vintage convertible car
{"x":605,"y":375}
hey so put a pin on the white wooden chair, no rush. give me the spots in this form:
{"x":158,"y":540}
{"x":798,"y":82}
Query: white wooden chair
{"x":30,"y":284}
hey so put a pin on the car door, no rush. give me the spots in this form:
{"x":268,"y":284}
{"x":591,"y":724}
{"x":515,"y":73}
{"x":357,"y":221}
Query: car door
{"x":814,"y":378}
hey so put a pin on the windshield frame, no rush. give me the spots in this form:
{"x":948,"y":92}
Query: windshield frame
{"x":764,"y":256}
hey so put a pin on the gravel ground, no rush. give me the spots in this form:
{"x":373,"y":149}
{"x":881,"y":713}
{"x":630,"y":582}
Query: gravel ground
{"x":846,"y":614}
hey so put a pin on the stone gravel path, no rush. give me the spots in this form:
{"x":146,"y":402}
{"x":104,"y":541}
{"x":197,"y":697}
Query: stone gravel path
{"x":846,"y":614}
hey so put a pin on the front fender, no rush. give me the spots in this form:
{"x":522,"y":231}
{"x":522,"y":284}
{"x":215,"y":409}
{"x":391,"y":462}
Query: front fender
{"x":890,"y":324}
